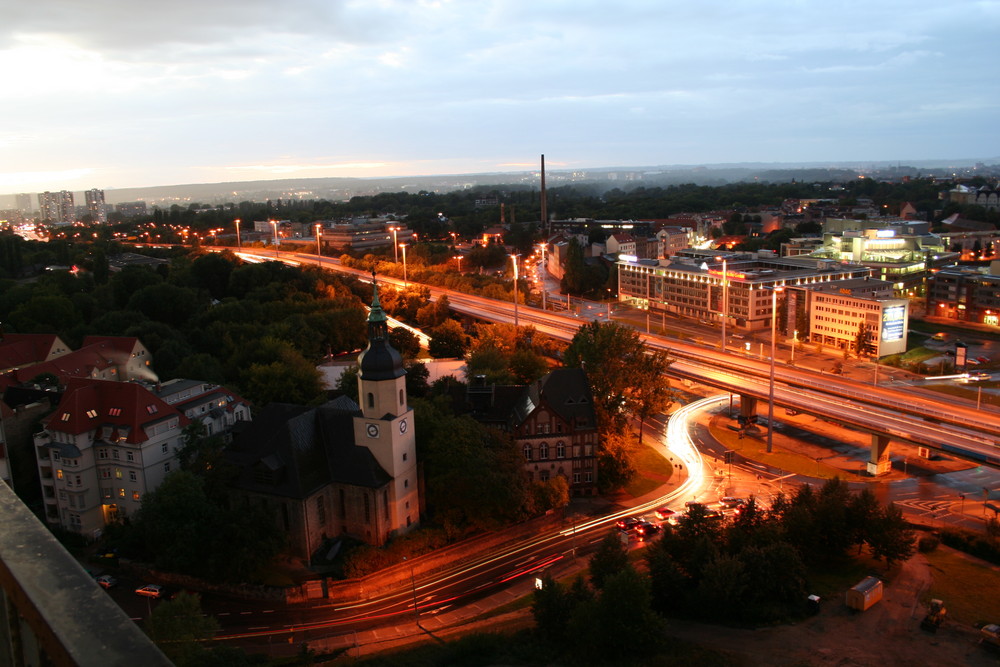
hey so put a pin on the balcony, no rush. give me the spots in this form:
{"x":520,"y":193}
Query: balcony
{"x":51,"y":611}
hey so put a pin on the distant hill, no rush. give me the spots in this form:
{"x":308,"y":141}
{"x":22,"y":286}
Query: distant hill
{"x":602,"y":178}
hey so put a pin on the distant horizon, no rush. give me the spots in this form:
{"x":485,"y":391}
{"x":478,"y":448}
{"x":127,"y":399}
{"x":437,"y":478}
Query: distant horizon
{"x":857,"y":165}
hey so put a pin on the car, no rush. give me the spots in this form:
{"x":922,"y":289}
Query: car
{"x":106,"y":581}
{"x":980,"y":375}
{"x":939,"y":336}
{"x":150,"y":591}
{"x":983,"y":360}
{"x":628,"y":524}
{"x":664,"y":513}
{"x":646,"y":529}
{"x":731,"y":501}
{"x":689,"y":505}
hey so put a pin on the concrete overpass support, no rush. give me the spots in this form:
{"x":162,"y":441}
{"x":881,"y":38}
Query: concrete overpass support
{"x":879,"y":463}
{"x":748,"y":405}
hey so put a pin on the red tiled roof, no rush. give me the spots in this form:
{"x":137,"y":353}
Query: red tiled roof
{"x":21,"y":349}
{"x":97,"y":354}
{"x":90,"y":404}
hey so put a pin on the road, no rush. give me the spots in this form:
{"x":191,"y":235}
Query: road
{"x":899,"y":413}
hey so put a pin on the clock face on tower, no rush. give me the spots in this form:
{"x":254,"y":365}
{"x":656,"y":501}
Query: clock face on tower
{"x":373,"y":430}
{"x":402,"y":426}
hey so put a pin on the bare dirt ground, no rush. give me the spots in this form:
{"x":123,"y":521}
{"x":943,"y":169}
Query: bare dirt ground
{"x":887,"y":634}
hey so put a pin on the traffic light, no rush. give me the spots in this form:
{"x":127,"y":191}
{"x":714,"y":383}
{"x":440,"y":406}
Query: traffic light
{"x":729,"y":456}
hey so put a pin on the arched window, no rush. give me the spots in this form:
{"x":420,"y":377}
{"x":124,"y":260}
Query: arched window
{"x":527,"y":452}
{"x":543,"y":452}
{"x":371,"y":400}
{"x":560,"y":450}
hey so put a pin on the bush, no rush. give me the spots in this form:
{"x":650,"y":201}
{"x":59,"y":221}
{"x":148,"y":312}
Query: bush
{"x":928,"y":543}
{"x":972,"y":543}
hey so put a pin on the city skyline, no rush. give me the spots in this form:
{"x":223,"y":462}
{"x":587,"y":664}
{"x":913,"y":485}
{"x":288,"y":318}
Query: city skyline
{"x":109,"y":95}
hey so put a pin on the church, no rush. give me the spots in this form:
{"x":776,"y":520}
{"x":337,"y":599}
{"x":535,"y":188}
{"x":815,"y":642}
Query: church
{"x":340,"y":469}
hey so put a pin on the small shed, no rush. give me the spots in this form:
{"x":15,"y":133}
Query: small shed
{"x":863,"y":595}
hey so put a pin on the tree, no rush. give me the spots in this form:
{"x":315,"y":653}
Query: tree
{"x":179,"y":627}
{"x":448,"y":340}
{"x":610,"y":558}
{"x":625,"y":377}
{"x":890,"y":537}
{"x":404,"y":341}
{"x":614,"y":460}
{"x":620,"y":624}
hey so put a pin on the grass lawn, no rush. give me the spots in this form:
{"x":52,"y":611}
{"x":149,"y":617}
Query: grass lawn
{"x":832,"y":581}
{"x":967,"y":586}
{"x":755,"y":448}
{"x":652,"y":470}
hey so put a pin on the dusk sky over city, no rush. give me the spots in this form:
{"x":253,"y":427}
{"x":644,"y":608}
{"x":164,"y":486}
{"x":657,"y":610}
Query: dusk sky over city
{"x":111,"y":94}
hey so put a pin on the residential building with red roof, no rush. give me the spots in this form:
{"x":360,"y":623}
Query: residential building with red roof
{"x":20,"y":350}
{"x":109,"y":443}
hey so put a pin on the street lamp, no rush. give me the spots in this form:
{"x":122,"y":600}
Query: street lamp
{"x":274,"y":233}
{"x":725,"y":300}
{"x":513,"y":258}
{"x":319,"y":250}
{"x":459,"y":259}
{"x":239,"y":244}
{"x":403,"y":246}
{"x":770,"y":391}
{"x":395,"y":245}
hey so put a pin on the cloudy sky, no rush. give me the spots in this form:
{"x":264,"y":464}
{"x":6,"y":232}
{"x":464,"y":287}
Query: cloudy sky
{"x":115,"y":93}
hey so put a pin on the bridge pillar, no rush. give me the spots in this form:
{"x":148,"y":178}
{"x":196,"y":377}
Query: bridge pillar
{"x":748,"y":405}
{"x":879,"y":463}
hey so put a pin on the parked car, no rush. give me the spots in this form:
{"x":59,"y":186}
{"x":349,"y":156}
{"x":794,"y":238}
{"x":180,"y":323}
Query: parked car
{"x":627,"y":524}
{"x":983,"y":360}
{"x":150,"y":591}
{"x":106,"y":581}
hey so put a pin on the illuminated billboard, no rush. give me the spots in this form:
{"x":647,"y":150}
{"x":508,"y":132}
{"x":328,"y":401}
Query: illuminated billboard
{"x":893,"y":323}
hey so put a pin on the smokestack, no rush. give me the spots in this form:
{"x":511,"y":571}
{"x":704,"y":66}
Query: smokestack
{"x":545,"y":214}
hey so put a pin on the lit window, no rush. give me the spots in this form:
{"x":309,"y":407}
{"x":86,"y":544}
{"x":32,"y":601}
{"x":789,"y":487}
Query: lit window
{"x":65,"y":416}
{"x":151,"y":409}
{"x":121,"y":493}
{"x":59,"y":474}
{"x":115,"y":412}
{"x":118,"y":473}
{"x":135,"y":496}
{"x":92,"y":413}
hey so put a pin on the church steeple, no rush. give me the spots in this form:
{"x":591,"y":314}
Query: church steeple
{"x":379,"y":361}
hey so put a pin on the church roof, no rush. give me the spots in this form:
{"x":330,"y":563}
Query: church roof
{"x":293,"y":451}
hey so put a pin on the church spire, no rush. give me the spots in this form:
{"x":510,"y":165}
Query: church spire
{"x":379,"y":361}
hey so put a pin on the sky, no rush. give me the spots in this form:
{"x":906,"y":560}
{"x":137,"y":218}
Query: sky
{"x":111,"y":94}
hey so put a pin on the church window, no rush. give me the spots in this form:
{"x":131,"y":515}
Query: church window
{"x":368,"y":509}
{"x":402,"y":397}
{"x":320,"y":510}
{"x":385,"y":503}
{"x":371,"y":400}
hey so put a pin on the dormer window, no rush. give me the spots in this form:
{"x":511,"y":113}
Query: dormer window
{"x":92,"y":413}
{"x":65,"y":416}
{"x":151,"y":409}
{"x":114,"y":412}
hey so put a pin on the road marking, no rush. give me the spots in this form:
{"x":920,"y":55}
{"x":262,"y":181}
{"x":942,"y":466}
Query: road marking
{"x":269,"y":611}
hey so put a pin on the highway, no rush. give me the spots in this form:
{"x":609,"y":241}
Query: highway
{"x":898,"y":413}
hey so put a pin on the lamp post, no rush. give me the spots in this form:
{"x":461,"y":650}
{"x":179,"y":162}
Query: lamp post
{"x":770,"y":391}
{"x":725,"y":300}
{"x":239,"y":244}
{"x":274,"y":233}
{"x":405,"y":281}
{"x":795,"y":344}
{"x":513,"y":258}
{"x":395,"y":245}
{"x":459,"y":258}
{"x":319,"y":250}
{"x":413,"y":587}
